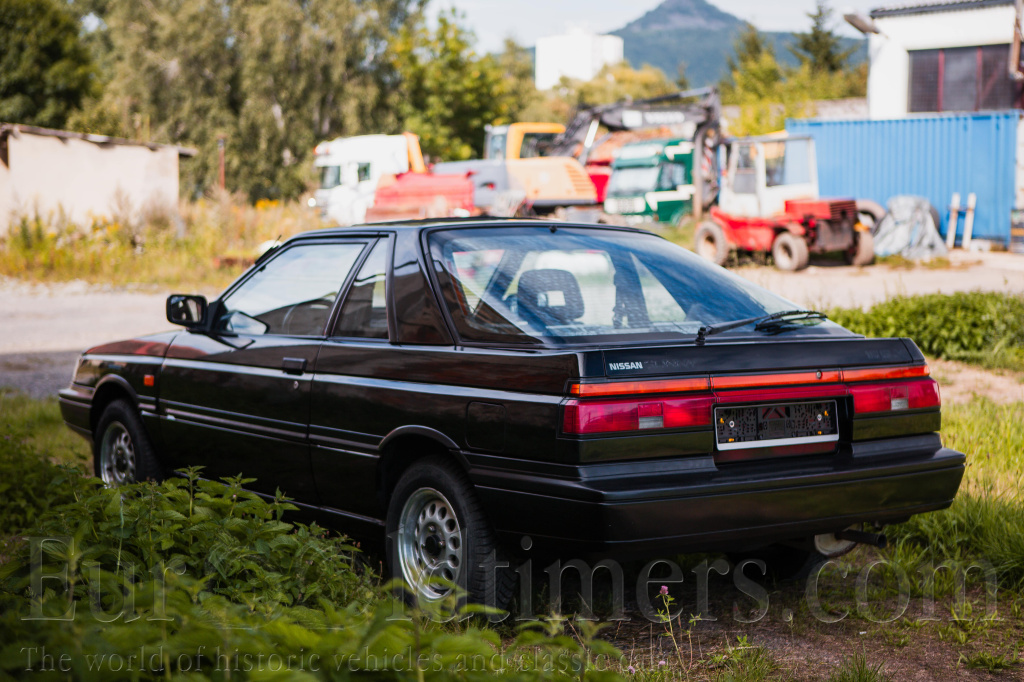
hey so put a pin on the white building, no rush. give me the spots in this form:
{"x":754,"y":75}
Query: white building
{"x":83,"y":177}
{"x":576,"y":54}
{"x":949,"y":56}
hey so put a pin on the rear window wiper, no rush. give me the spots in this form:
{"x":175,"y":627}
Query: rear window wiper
{"x":760,"y":322}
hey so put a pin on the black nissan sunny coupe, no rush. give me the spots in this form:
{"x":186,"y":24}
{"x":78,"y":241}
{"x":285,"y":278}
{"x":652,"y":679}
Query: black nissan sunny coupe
{"x":469,"y":389}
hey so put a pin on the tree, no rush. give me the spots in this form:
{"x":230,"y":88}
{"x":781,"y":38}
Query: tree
{"x":820,"y":49}
{"x":273,"y":76}
{"x":45,"y":70}
{"x":448,"y":92}
{"x":750,"y":50}
{"x":616,"y":82}
{"x":682,"y":80}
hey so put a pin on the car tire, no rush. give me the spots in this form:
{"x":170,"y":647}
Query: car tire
{"x":790,"y":252}
{"x":863,"y":250}
{"x":436,"y":528}
{"x":710,"y":242}
{"x":122,"y":451}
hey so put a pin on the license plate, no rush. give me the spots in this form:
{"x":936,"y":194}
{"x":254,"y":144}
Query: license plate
{"x":763,"y":426}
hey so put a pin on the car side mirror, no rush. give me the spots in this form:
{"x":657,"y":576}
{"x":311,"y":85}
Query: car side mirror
{"x":188,"y":311}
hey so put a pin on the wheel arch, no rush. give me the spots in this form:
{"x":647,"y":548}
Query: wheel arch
{"x":109,"y":389}
{"x":406,"y":445}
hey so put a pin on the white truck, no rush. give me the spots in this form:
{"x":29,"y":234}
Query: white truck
{"x":350,"y":169}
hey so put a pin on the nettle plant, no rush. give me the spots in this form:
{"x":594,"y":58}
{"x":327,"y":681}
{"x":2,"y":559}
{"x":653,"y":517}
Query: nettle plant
{"x":188,"y":576}
{"x":113,"y":542}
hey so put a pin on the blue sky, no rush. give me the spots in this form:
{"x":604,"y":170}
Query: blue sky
{"x":527,"y":20}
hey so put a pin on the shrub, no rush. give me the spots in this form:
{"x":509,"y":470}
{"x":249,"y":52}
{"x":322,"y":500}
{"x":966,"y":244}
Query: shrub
{"x":980,"y":327}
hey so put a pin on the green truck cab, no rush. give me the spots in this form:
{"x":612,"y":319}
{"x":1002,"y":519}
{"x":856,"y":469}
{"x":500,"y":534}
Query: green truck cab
{"x":651,"y":181}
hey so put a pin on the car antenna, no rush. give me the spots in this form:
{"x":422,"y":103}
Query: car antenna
{"x":553,"y":228}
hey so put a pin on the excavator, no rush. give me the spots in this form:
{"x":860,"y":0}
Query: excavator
{"x":535,"y":168}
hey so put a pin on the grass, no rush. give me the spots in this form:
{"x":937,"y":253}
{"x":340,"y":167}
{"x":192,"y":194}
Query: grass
{"x":207,"y":244}
{"x":38,"y":425}
{"x":985,"y":523}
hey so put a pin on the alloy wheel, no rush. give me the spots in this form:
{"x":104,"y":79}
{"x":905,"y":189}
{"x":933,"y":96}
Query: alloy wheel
{"x":429,"y":544}
{"x":117,"y":456}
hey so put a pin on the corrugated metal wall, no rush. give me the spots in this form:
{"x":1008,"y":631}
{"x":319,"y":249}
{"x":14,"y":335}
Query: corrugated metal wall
{"x":930,"y":156}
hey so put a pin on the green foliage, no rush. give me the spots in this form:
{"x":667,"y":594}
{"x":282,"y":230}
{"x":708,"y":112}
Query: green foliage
{"x":821,"y":49}
{"x":617,"y":82}
{"x":986,"y":519}
{"x":32,"y":438}
{"x":232,"y":539}
{"x":857,"y":669}
{"x":769,"y":92}
{"x":210,"y":246}
{"x":448,"y":92}
{"x":273,"y":76}
{"x":980,"y":327}
{"x":45,"y":70}
{"x":744,"y":662}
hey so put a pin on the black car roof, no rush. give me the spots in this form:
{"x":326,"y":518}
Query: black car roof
{"x":422,"y":224}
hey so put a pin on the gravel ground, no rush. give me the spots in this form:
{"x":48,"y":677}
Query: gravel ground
{"x":43,"y":327}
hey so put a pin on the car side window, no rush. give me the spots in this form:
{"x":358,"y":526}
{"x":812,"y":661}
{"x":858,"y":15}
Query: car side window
{"x":364,"y":312}
{"x":292,"y":294}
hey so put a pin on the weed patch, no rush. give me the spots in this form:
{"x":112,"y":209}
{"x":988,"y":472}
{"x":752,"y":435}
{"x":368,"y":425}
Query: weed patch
{"x":984,"y":328}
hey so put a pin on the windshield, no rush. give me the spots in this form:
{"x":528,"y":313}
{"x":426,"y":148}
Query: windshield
{"x":787,"y":162}
{"x":580,"y":286}
{"x":535,"y":144}
{"x":634,"y":181}
{"x":330,"y":177}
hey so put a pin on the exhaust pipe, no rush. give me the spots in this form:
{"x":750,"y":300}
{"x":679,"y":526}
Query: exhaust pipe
{"x":863,"y":538}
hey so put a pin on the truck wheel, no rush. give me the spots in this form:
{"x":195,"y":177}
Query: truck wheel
{"x":790,"y":252}
{"x":710,"y":243}
{"x":122,"y":453}
{"x":863,"y":250}
{"x":438,"y":536}
{"x":870,"y":213}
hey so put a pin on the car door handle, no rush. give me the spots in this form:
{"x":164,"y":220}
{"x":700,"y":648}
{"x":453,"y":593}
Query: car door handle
{"x":294,"y":365}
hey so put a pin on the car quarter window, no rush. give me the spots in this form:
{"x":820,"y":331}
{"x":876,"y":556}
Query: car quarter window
{"x":292,"y":294}
{"x":364,"y":311}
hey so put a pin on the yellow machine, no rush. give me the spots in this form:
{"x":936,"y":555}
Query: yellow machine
{"x":519,"y":140}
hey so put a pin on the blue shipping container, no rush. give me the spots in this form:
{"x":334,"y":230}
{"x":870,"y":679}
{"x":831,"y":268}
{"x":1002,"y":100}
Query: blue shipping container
{"x":931,"y":156}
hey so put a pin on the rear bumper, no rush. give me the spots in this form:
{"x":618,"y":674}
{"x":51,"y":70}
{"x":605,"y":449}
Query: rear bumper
{"x":690,"y":504}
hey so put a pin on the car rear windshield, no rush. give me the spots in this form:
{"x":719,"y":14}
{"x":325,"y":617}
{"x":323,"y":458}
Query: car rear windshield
{"x":582,"y":286}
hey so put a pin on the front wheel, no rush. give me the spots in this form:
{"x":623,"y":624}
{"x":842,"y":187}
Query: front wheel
{"x":863,"y":250}
{"x":710,"y":242}
{"x":438,"y":538}
{"x":122,"y":453}
{"x":790,"y":252}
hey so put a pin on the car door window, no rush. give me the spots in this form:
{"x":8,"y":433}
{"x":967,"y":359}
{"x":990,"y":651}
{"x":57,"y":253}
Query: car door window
{"x":292,"y":294}
{"x":364,"y":312}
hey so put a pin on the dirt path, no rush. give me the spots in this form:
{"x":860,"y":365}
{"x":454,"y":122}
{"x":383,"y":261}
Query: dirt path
{"x":827,"y":284}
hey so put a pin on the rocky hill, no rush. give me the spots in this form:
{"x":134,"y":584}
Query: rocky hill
{"x":699,"y":34}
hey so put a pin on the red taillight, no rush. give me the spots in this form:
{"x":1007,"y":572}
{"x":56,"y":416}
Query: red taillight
{"x":895,"y":396}
{"x":607,"y":416}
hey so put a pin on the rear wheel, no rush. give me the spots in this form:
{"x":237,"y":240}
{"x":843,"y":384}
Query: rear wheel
{"x":710,"y":243}
{"x":122,"y":452}
{"x":790,"y":252}
{"x":863,"y":250}
{"x":438,"y":538}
